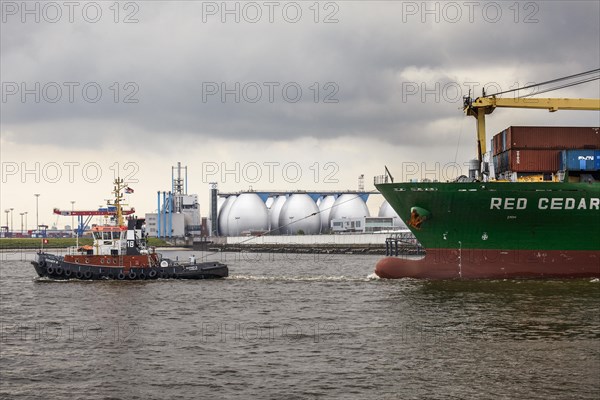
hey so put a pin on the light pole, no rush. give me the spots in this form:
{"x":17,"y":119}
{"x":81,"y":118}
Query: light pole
{"x":37,"y":220}
{"x":11,"y":219}
{"x":7,"y":211}
{"x":72,"y":226}
{"x":25,"y":220}
{"x":22,"y":221}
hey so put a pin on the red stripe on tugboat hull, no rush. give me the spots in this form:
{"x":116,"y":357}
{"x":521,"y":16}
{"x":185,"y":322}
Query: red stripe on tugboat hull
{"x":121,"y":261}
{"x":492,"y":264}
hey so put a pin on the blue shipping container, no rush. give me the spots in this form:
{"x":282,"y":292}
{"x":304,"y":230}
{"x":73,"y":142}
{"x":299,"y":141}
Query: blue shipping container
{"x":580,"y":160}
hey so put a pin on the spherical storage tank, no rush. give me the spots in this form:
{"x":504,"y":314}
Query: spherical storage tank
{"x":274,"y":212}
{"x":325,"y":207}
{"x":388,"y":212}
{"x":247,"y":213}
{"x":223,"y":231}
{"x":292,"y":217}
{"x":349,"y":206}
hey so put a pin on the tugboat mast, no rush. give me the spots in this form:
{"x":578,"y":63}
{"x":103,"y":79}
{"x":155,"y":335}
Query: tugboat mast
{"x":118,"y":188}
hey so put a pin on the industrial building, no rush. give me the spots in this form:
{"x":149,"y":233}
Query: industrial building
{"x":178,"y":212}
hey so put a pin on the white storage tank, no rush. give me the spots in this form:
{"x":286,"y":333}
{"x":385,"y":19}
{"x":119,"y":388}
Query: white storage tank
{"x":247,"y":213}
{"x":224,"y":213}
{"x":220,"y":202}
{"x":325,"y":205}
{"x":294,"y":213}
{"x":387,"y":211}
{"x":349,"y":206}
{"x":269,"y":202}
{"x":274,"y":212}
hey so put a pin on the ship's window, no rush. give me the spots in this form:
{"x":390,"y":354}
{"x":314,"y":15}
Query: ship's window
{"x":98,"y":235}
{"x":116,"y":235}
{"x":107,"y":236}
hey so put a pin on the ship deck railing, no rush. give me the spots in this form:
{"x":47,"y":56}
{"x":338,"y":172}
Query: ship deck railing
{"x":382,"y":179}
{"x":74,"y":251}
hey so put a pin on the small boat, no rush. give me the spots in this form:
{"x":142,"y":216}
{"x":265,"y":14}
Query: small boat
{"x":120,"y":252}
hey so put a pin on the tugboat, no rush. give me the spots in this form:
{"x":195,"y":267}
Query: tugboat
{"x":120,"y":252}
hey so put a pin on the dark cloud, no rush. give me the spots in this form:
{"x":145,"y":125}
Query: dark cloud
{"x":171,"y":57}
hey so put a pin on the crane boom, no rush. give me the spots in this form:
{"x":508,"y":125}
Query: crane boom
{"x":481,"y":106}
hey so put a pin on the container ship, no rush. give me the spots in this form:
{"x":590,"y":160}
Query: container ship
{"x":533,"y":213}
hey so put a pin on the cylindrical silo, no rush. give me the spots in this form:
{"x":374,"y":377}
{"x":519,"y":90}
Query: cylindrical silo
{"x":296,"y":216}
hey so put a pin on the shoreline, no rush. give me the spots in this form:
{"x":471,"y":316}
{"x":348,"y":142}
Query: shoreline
{"x":371,"y":249}
{"x":374,"y":249}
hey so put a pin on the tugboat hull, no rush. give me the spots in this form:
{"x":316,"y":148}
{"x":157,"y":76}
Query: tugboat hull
{"x":55,"y":267}
{"x":121,"y":252}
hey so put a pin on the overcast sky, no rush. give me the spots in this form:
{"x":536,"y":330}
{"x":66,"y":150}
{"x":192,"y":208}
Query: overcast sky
{"x":303,"y":95}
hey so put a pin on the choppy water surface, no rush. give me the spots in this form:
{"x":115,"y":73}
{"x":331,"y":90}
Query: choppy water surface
{"x":296,"y":326}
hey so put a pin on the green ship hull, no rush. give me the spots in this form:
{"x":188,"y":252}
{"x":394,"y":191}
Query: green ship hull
{"x":498,"y":229}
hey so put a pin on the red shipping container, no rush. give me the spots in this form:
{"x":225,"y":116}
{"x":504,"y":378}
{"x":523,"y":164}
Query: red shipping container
{"x":547,"y":137}
{"x":528,"y":160}
{"x":552,"y":137}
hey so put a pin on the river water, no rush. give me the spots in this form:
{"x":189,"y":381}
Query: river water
{"x":296,"y":326}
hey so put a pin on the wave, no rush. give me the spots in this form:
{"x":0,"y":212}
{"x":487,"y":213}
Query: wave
{"x":314,"y":278}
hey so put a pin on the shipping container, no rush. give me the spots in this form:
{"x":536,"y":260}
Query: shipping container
{"x":501,"y":162}
{"x":527,"y":160}
{"x":504,"y":161}
{"x":547,"y":137}
{"x":500,"y":142}
{"x":580,"y":160}
{"x":496,"y":149}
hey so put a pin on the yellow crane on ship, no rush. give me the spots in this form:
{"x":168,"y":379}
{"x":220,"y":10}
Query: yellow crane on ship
{"x":482,"y":106}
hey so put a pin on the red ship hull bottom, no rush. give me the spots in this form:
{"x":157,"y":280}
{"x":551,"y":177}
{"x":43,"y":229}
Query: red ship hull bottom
{"x":492,"y":264}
